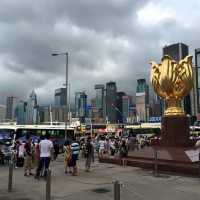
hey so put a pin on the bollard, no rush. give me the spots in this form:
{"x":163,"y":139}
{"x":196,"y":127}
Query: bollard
{"x":48,"y":185}
{"x":199,"y":165}
{"x":10,"y":176}
{"x":117,"y":190}
{"x":155,"y":163}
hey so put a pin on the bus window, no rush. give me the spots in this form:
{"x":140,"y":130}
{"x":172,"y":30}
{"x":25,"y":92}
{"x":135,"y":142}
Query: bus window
{"x":38,"y":132}
{"x":43,"y":132}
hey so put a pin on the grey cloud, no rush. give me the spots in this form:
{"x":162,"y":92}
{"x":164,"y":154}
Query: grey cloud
{"x":104,"y":39}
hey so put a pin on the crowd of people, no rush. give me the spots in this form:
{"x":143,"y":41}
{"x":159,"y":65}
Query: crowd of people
{"x":37,"y":155}
{"x":32,"y":155}
{"x":118,"y":146}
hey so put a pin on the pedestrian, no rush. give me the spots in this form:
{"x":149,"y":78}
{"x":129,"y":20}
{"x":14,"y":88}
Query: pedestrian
{"x":28,"y":157}
{"x":46,"y":149}
{"x":75,"y":152}
{"x":141,"y":141}
{"x":67,"y":156}
{"x":123,"y":152}
{"x":15,"y":153}
{"x":82,"y":147}
{"x":107,"y":146}
{"x":93,"y":149}
{"x":116,"y":144}
{"x":33,"y":154}
{"x":89,"y":154}
{"x":101,"y":146}
{"x":37,"y":153}
{"x":20,"y":155}
{"x":56,"y":149}
{"x":112,"y":147}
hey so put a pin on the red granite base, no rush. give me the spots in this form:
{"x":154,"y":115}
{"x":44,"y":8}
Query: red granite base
{"x":175,"y":131}
{"x":172,"y":159}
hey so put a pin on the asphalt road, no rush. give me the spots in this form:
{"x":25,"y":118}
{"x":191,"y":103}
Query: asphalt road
{"x":137,"y":184}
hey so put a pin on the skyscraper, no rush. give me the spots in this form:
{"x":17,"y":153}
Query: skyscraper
{"x":99,"y":98}
{"x":77,"y":103}
{"x":32,"y":109}
{"x":60,"y":97}
{"x":81,"y":105}
{"x":94,"y":113}
{"x":125,"y":108}
{"x":44,"y":114}
{"x":11,"y":104}
{"x":119,"y":106}
{"x":2,"y":113}
{"x":142,"y":100}
{"x":21,"y":112}
{"x":197,"y":85}
{"x":179,"y":51}
{"x":111,"y":91}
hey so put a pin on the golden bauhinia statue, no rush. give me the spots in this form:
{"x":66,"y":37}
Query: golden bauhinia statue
{"x":172,"y":81}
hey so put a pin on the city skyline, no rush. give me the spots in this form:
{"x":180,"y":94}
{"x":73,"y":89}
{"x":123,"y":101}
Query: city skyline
{"x":100,"y":37}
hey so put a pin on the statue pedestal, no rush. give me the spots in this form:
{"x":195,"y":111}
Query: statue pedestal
{"x":170,"y":151}
{"x":175,"y":131}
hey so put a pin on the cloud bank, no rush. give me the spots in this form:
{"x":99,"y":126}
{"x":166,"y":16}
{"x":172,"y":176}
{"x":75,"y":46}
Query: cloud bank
{"x":106,"y":40}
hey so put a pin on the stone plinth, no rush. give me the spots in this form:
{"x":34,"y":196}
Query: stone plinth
{"x":175,"y":131}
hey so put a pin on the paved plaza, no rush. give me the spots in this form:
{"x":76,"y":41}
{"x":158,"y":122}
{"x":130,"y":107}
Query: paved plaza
{"x":138,"y":184}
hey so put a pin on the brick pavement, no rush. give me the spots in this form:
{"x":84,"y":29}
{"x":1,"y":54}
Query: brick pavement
{"x":138,"y":184}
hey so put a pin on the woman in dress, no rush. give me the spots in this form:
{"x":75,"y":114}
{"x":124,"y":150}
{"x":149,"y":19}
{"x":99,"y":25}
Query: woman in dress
{"x":67,"y":156}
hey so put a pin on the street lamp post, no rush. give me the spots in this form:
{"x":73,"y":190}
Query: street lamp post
{"x":66,"y":54}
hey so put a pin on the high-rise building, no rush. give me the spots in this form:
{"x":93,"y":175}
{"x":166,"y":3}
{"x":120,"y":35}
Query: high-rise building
{"x":156,"y":107}
{"x":21,"y":112}
{"x":119,"y":106}
{"x":44,"y":114}
{"x":197,"y":85}
{"x":125,"y":107}
{"x":32,"y":109}
{"x":93,"y":112}
{"x":132,"y":114}
{"x":60,"y":97}
{"x":77,"y":104}
{"x":81,"y":105}
{"x":104,"y":106}
{"x":194,"y":95}
{"x":59,"y":114}
{"x":2,"y":113}
{"x":11,"y":104}
{"x":99,"y":98}
{"x":179,"y":51}
{"x":142,"y":100}
{"x":111,"y":91}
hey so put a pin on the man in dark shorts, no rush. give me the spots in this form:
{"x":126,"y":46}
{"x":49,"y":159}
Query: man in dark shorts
{"x":75,"y":153}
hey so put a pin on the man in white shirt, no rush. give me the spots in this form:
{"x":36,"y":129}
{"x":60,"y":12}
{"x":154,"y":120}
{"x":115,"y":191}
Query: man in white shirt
{"x":46,"y":147}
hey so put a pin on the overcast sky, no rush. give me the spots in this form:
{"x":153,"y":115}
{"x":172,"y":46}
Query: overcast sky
{"x":106,"y":40}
